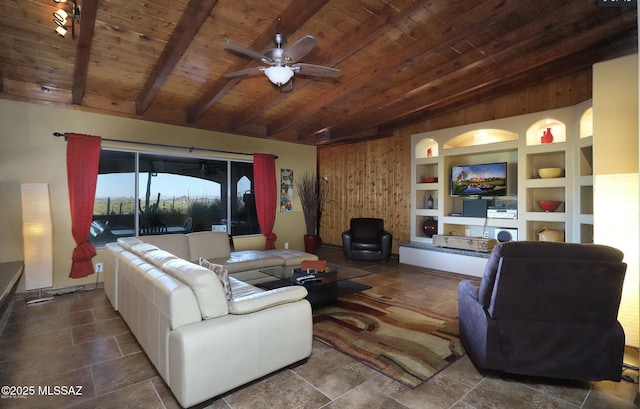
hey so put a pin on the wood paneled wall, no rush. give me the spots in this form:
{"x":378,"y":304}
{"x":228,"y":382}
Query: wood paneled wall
{"x":373,"y":178}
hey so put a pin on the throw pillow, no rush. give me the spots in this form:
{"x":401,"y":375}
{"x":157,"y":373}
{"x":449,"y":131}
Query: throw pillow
{"x":221,"y":272}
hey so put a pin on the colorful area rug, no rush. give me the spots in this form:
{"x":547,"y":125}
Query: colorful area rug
{"x":407,"y":343}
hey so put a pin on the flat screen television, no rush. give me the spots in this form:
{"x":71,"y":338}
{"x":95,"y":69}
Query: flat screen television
{"x":485,"y":179}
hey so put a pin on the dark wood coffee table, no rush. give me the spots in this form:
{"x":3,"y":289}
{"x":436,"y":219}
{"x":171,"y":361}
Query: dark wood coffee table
{"x":332,"y":283}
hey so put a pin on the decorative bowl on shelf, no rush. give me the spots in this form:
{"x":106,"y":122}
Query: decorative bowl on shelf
{"x":429,"y":179}
{"x":549,"y":205}
{"x":547,"y":173}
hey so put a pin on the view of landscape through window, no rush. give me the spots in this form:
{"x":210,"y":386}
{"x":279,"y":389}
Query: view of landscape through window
{"x":175,"y":195}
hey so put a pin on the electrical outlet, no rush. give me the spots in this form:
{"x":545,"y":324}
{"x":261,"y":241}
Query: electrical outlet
{"x":286,"y":246}
{"x":485,"y":234}
{"x":98,"y":268}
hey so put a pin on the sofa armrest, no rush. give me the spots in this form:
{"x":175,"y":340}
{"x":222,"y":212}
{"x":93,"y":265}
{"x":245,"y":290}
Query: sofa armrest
{"x":267,"y":299}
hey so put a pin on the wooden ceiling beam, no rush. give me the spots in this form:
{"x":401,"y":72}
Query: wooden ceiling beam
{"x":483,"y":14}
{"x":291,"y":19}
{"x":554,"y":61}
{"x":351,"y":43}
{"x":460,"y":73}
{"x":83,"y":51}
{"x":190,"y":23}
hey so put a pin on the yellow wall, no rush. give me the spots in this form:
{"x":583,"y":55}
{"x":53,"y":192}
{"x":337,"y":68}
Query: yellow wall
{"x":615,"y":167}
{"x":30,"y":153}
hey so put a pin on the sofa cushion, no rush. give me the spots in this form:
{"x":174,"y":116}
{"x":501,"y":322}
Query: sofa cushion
{"x":242,"y":289}
{"x":266,"y":299}
{"x":142,"y":248}
{"x":250,"y":260}
{"x":204,"y":283}
{"x":293,"y":257}
{"x":222,"y":273}
{"x":158,"y":257}
{"x":128,"y":242}
{"x":175,"y":244}
{"x":208,"y":244}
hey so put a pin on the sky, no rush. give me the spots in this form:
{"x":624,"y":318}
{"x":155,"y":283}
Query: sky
{"x":122,"y":185}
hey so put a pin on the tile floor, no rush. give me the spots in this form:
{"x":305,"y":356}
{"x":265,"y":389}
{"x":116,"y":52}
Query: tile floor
{"x":79,"y":340}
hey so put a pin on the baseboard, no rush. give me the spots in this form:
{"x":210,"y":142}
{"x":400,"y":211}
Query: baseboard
{"x":60,"y":290}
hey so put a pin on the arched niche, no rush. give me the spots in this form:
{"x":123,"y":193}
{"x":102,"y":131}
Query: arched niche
{"x":536,"y":131}
{"x":480,"y":137}
{"x":426,"y":147}
{"x":586,"y":123}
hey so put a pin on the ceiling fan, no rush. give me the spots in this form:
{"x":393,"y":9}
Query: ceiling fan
{"x":283,"y":62}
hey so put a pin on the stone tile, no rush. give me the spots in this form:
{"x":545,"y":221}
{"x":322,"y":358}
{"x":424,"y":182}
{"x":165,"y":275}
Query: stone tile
{"x":137,"y":396}
{"x":57,"y":391}
{"x":464,"y":371}
{"x":128,"y":343}
{"x":52,"y":359}
{"x":165,"y":394}
{"x":50,"y":324}
{"x":99,"y":329}
{"x":599,"y":400}
{"x":439,"y":392}
{"x":494,"y":393}
{"x":334,"y":373}
{"x":283,"y":389}
{"x":118,"y":373}
{"x":23,"y":344}
{"x":105,"y":313}
{"x":365,"y":396}
{"x":623,"y":390}
{"x":574,"y":392}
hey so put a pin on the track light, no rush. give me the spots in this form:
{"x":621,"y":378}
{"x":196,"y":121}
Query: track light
{"x":62,"y":16}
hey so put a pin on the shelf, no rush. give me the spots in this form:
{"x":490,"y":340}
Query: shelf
{"x":516,"y":141}
{"x":535,"y":226}
{"x":586,"y":161}
{"x":543,"y":158}
{"x":426,"y":170}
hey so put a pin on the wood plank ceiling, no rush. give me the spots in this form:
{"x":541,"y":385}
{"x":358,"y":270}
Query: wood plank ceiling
{"x":402,"y":61}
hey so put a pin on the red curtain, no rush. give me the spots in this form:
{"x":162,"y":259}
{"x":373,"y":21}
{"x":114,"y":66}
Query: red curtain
{"x":264,"y":175}
{"x":83,"y":156}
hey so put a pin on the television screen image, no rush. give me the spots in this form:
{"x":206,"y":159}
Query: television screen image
{"x":488,"y":179}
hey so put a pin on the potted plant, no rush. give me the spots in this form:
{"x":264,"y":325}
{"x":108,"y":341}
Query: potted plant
{"x":312,"y":197}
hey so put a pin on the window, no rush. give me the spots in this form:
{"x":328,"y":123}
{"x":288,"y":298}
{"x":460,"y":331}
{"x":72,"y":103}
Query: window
{"x":141,"y":194}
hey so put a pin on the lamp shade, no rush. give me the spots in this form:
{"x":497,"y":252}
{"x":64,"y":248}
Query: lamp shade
{"x":279,"y":75}
{"x":60,"y":17}
{"x":37,"y":236}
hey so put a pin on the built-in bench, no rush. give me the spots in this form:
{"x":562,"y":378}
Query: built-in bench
{"x":10,"y":274}
{"x":459,"y":261}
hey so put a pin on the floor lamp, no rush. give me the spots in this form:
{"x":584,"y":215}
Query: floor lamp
{"x":37,"y":236}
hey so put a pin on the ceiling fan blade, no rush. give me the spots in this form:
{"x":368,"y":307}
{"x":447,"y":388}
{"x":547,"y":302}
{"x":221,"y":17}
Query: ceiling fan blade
{"x":246,"y":71}
{"x":299,"y":49}
{"x":316,"y":70}
{"x":245,"y":51}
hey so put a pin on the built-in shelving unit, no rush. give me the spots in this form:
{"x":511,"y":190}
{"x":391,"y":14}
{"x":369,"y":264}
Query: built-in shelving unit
{"x":519,"y":142}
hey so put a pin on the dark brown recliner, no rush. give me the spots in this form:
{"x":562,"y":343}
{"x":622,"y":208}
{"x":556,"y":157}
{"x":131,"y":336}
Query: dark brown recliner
{"x":366,"y":239}
{"x":546,"y":309}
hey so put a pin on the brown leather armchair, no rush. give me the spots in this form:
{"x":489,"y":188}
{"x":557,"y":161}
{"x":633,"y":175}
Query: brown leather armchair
{"x":366,"y":239}
{"x":546,"y":309}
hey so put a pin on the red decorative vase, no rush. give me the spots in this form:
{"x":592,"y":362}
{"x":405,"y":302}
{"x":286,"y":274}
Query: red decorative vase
{"x":311,"y":243}
{"x":547,"y":136}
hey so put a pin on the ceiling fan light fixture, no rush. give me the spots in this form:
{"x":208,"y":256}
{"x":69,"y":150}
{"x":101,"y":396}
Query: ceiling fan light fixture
{"x":279,"y":75}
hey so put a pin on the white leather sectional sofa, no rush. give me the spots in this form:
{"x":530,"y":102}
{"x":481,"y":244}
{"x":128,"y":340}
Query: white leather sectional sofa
{"x":214,"y":246}
{"x":202,"y":343}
